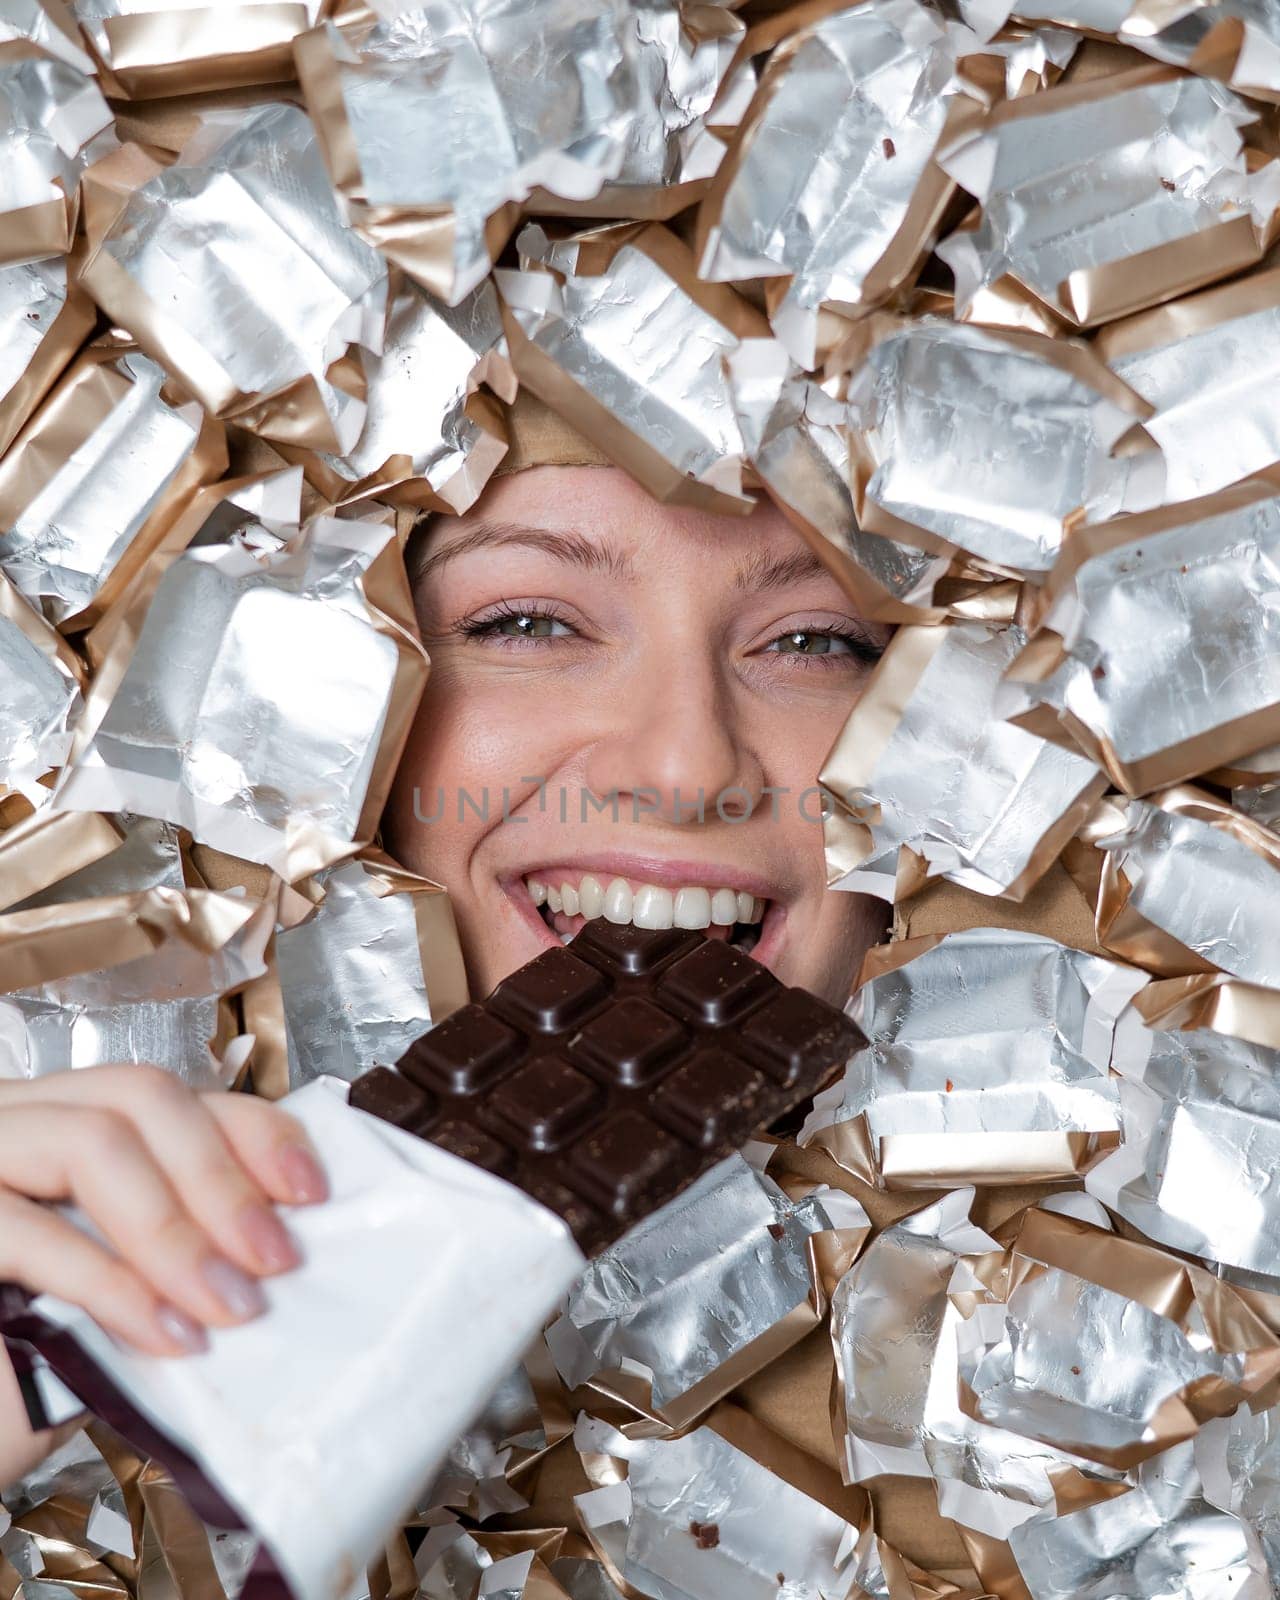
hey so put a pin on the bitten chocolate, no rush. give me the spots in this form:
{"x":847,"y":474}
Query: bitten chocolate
{"x":604,"y":1077}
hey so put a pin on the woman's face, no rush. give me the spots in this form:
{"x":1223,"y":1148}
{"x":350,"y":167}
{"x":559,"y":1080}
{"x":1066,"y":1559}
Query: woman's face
{"x":627,"y":711}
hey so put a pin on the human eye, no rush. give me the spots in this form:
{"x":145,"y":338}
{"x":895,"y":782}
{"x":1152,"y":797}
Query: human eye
{"x":826,"y":647}
{"x":512,"y":621}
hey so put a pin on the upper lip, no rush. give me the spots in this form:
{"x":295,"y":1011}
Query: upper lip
{"x":660,"y":870}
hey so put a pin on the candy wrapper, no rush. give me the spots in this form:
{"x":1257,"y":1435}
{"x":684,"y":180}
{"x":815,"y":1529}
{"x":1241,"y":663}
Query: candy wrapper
{"x":54,"y":848}
{"x":1238,"y":1459}
{"x":949,"y":1091}
{"x":321,"y":1469}
{"x":1147,"y":180}
{"x":376,"y":964}
{"x":304,"y":288}
{"x":989,"y":440}
{"x":92,"y":484}
{"x":279,"y":755}
{"x":925,"y":766}
{"x":1234,"y":42}
{"x":705,"y":1291}
{"x":138,"y":976}
{"x":630,"y":348}
{"x":40,"y":697}
{"x":512,"y":1432}
{"x":1152,"y":655}
{"x":42,"y":321}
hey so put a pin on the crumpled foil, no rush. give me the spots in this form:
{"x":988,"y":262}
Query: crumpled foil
{"x":373,"y":967}
{"x":276,"y":739}
{"x":1238,"y":1459}
{"x":1157,"y":661}
{"x":1104,"y":197}
{"x":990,"y":440}
{"x":1016,"y":1087}
{"x":42,"y":321}
{"x":830,"y":192}
{"x":294,"y":287}
{"x":706,"y":1290}
{"x":924,"y":765}
{"x":1232,"y":40}
{"x":95,"y":480}
{"x":40,"y":697}
{"x":511,"y":1430}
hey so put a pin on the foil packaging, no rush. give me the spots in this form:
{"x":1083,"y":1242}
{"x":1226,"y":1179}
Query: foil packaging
{"x":373,"y":966}
{"x":1154,"y":653}
{"x":1017,"y":1088}
{"x":43,"y":318}
{"x":830,"y":191}
{"x":1107,"y":196}
{"x":926,"y":766}
{"x":989,"y":440}
{"x":711,"y":1287}
{"x":40,"y":697}
{"x":94,"y":481}
{"x":359,"y":1453}
{"x":280,"y":753}
{"x":304,"y":288}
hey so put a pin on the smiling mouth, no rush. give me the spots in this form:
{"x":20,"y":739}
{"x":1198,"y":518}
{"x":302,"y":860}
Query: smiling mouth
{"x":566,"y":900}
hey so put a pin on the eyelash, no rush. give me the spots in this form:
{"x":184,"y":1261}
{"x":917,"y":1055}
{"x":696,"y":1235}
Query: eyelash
{"x":861,"y":649}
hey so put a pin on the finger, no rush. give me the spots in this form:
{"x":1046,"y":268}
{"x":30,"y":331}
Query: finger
{"x":219,"y":1187}
{"x":98,"y":1159}
{"x":46,"y":1255}
{"x":273,"y":1146}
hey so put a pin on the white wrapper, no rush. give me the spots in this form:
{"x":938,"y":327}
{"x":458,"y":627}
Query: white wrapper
{"x":423,"y":1280}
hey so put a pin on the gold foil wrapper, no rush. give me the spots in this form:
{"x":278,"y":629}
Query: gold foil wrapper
{"x":1103,"y":197}
{"x":296,"y":288}
{"x":1020,"y":1093}
{"x":92,"y":484}
{"x":925,"y":765}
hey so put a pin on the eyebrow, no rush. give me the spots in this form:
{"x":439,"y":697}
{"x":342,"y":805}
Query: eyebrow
{"x":777,"y":572}
{"x":571,"y":548}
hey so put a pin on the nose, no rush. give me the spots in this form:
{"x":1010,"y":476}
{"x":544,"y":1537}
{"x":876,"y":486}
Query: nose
{"x":677,"y":749}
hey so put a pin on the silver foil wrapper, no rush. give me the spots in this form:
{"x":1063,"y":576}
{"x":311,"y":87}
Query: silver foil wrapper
{"x":683,"y":1296}
{"x":1162,"y":1538}
{"x":926,"y":763}
{"x":149,"y":856}
{"x":948,"y":1089}
{"x":1238,"y":1458}
{"x":1103,"y":197}
{"x":53,"y":121}
{"x":1154,"y":652}
{"x":1237,"y":41}
{"x":64,"y":529}
{"x":266,"y":740}
{"x":40,"y":698}
{"x":990,"y":441}
{"x":48,"y":27}
{"x":830,"y":184}
{"x":474,"y":1475}
{"x":37,"y":316}
{"x":353,"y":978}
{"x":293,"y":287}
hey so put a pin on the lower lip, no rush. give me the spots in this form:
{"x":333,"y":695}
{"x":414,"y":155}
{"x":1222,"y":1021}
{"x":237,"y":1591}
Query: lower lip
{"x":765,"y":950}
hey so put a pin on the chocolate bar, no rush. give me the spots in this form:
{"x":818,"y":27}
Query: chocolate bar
{"x":604,"y":1077}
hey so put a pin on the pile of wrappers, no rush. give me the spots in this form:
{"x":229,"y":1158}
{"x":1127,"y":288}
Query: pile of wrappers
{"x":984,"y":301}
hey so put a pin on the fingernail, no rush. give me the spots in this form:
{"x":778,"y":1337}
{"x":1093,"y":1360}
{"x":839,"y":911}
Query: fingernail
{"x":181,"y":1330}
{"x":241,"y":1295}
{"x":267,"y":1237}
{"x":302,"y":1173}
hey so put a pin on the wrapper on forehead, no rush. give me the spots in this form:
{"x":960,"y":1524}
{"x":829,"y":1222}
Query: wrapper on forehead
{"x":53,"y":121}
{"x":1202,"y":1124}
{"x":41,"y":681}
{"x":373,"y":966}
{"x":987,"y":1062}
{"x":706,"y":1290}
{"x":282,"y":755}
{"x":924,"y":766}
{"x":865,"y":92}
{"x":95,"y":480}
{"x":1154,"y":651}
{"x":729,"y":1511}
{"x":297,"y":289}
{"x":137,"y":975}
{"x":1103,"y":197}
{"x":617,"y":335}
{"x":320,"y":1470}
{"x":43,"y":319}
{"x":988,"y":440}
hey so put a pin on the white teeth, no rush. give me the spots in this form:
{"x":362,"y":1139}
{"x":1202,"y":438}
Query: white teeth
{"x":745,"y":902}
{"x":692,"y":908}
{"x":618,"y":901}
{"x":590,"y":896}
{"x":553,"y":897}
{"x":652,"y":908}
{"x":569,"y":899}
{"x":565,"y":937}
{"x":724,"y":907}
{"x":537,"y":892}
